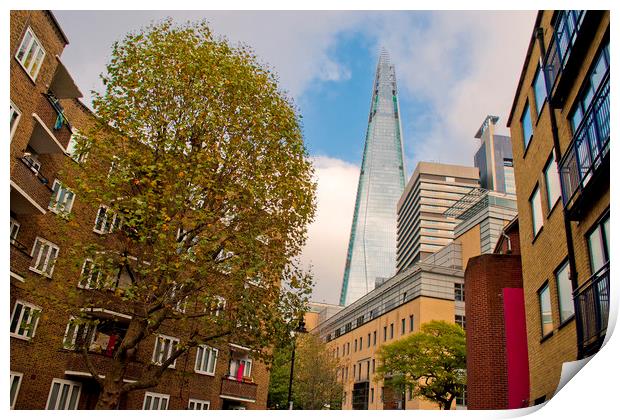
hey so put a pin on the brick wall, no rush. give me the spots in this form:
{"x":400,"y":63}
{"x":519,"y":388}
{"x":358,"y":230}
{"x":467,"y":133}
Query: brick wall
{"x":487,"y":370}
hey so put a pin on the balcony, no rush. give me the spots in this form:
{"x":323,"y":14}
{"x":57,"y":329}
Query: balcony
{"x":76,"y":366}
{"x":30,"y":190}
{"x":238,"y":390}
{"x":20,"y":259}
{"x":591,"y":312}
{"x":585,"y":159}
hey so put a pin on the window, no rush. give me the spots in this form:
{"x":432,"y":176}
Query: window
{"x":198,"y":404}
{"x":460,"y":320}
{"x":361,"y":343}
{"x":106,"y":220}
{"x":537,"y":215}
{"x":544,"y":299}
{"x":410,"y":323}
{"x":552,"y":179}
{"x":509,"y":177}
{"x":164,"y":346}
{"x":391,"y":331}
{"x":76,"y":334}
{"x":374,"y":338}
{"x":373,"y":365}
{"x":14,"y":230}
{"x":355,"y":345}
{"x":402,"y":326}
{"x":598,"y":245}
{"x":62,"y":198}
{"x":77,"y":151}
{"x":91,"y":276}
{"x":588,"y":91}
{"x":526,"y":126}
{"x":30,"y":54}
{"x":348,"y":348}
{"x":240,"y":368}
{"x":540,"y":92}
{"x":44,"y":255}
{"x":24,"y":320}
{"x":64,"y":395}
{"x":206,"y":359}
{"x":368,"y":341}
{"x":384,"y":333}
{"x":354,"y":371}
{"x":16,"y":381}
{"x":565,"y":292}
{"x":372,"y":395}
{"x":459,"y":292}
{"x":153,"y":401}
{"x":15,"y":115}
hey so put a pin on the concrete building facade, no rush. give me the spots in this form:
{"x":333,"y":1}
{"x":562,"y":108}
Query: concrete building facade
{"x":494,"y":158}
{"x":396,"y":309}
{"x":422,"y":227}
{"x":560,"y":126}
{"x":46,"y":219}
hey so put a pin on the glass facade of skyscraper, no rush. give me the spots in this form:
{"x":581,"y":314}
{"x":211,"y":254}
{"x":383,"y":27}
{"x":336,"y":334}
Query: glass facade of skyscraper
{"x":371,"y":256}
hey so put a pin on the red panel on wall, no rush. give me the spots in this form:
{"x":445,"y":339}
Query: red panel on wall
{"x":516,"y":348}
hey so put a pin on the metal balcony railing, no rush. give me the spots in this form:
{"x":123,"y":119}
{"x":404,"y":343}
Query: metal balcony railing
{"x":592,"y":311}
{"x":589,"y":146}
{"x":568,"y":24}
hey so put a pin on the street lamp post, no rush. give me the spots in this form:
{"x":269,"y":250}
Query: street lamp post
{"x":301,"y":328}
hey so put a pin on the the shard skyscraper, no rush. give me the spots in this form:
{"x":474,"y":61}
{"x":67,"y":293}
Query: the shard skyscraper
{"x":371,"y":256}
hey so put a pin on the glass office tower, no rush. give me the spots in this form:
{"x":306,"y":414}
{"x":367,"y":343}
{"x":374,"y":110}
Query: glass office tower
{"x":371,"y":256}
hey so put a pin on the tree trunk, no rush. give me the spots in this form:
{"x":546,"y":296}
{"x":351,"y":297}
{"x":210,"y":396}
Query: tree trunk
{"x":110,"y":394}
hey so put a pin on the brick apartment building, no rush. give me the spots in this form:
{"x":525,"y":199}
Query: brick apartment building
{"x":46,"y":371}
{"x":560,"y":127}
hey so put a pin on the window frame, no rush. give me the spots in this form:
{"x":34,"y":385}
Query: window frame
{"x":545,"y":288}
{"x":459,"y":292}
{"x":19,"y":376}
{"x":20,"y":321}
{"x":564,"y":266}
{"x":411,"y":323}
{"x":173,"y":342}
{"x":599,"y":225}
{"x":540,"y":76}
{"x":197,"y":403}
{"x":535,"y":192}
{"x":113,"y":225}
{"x":153,"y":395}
{"x":27,"y":49}
{"x":61,"y":382}
{"x":551,"y":202}
{"x":16,"y":110}
{"x":54,"y":199}
{"x":526,"y":112}
{"x":48,"y":264}
{"x":15,"y":225}
{"x":200,"y":362}
{"x":70,"y":150}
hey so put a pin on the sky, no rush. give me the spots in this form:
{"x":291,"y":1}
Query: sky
{"x":452,"y":70}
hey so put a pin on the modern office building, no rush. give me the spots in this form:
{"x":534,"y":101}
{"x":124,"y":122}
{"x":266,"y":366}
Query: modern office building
{"x":371,"y":255}
{"x":494,"y":158}
{"x":392,"y":311}
{"x":48,"y":370}
{"x":560,"y":127}
{"x":422,"y":227}
{"x":319,"y":312}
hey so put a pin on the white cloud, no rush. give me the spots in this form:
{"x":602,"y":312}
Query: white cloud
{"x":462,"y":66}
{"x":328,"y":235}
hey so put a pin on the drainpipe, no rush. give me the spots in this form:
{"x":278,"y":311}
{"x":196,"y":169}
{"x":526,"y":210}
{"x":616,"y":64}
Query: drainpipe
{"x":509,"y":250}
{"x":556,"y":146}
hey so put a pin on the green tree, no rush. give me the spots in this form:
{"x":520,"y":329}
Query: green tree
{"x":200,"y":162}
{"x":315,"y":381}
{"x":431,"y":363}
